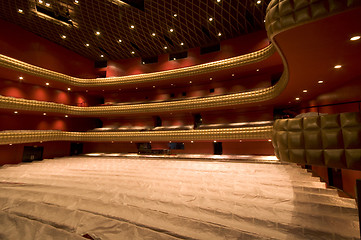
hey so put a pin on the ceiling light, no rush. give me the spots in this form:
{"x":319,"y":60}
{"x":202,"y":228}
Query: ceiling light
{"x":40,"y":1}
{"x":174,"y":59}
{"x":190,"y":81}
{"x":215,"y":141}
{"x":219,"y":34}
{"x":20,"y":10}
{"x":257,"y":70}
{"x":69,"y":88}
{"x":153,"y":34}
{"x":175,"y":15}
{"x":192,"y":142}
{"x":181,"y":44}
{"x":259,"y":2}
{"x":16,"y":112}
{"x":102,"y":55}
{"x":47,"y":84}
{"x":297,"y":98}
{"x":337,"y":66}
{"x":132,"y":52}
{"x":304,"y":91}
{"x":153,"y":86}
{"x":171,"y":84}
{"x":10,"y":144}
{"x":143,"y":62}
{"x":63,"y":36}
{"x":44,"y":114}
{"x":120,"y":40}
{"x":165,"y":47}
{"x":232,"y":74}
{"x":218,"y":1}
{"x":97,"y":33}
{"x":132,"y":26}
{"x":87,"y":44}
{"x":270,"y":140}
{"x":264,"y":20}
{"x":47,"y":4}
{"x":171,"y":30}
{"x":320,"y":81}
{"x":240,"y":140}
{"x":210,"y":19}
{"x":355,"y":38}
{"x":66,"y":116}
{"x":86,"y":90}
{"x":211,"y":79}
{"x":76,"y":1}
{"x":136,"y":88}
{"x":21,"y":78}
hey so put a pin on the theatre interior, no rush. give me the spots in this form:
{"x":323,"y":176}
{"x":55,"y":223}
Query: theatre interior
{"x":180,"y":119}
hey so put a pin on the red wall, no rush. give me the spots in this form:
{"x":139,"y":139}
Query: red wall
{"x":22,"y":45}
{"x":13,"y":154}
{"x":229,"y":48}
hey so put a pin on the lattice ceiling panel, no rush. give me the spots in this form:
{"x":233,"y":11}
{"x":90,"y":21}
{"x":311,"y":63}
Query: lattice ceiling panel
{"x":165,"y":26}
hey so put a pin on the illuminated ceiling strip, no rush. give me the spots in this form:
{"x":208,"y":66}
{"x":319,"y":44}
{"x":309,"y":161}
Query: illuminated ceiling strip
{"x":210,"y":67}
{"x":29,"y":136}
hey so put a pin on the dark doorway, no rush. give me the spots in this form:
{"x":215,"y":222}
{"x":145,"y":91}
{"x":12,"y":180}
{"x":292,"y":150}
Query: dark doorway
{"x":197,"y":120}
{"x":217,"y":147}
{"x":76,"y":148}
{"x":32,"y":153}
{"x":335,"y":177}
{"x":157,"y":121}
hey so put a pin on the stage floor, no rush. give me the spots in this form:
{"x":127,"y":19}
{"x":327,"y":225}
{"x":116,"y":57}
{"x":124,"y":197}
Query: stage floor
{"x":129,"y":197}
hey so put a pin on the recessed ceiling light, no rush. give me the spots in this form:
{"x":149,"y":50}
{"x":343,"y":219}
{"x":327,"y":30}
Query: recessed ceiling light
{"x":63,"y":36}
{"x":20,"y":10}
{"x":69,"y":88}
{"x":102,"y":55}
{"x":44,"y":114}
{"x":132,"y":26}
{"x":355,"y":38}
{"x":210,"y":19}
{"x":320,"y":81}
{"x":16,"y":112}
{"x":87,"y":44}
{"x":337,"y":66}
{"x":259,"y":2}
{"x":120,"y":40}
{"x":47,"y":84}
{"x":165,"y":47}
{"x":171,"y":30}
{"x":97,"y":33}
{"x":219,"y":34}
{"x":132,"y":52}
{"x":175,"y":15}
{"x":153,"y":34}
{"x":47,"y":4}
{"x":305,"y":90}
{"x":181,"y":44}
{"x":21,"y":78}
{"x":66,"y":116}
{"x":297,"y":98}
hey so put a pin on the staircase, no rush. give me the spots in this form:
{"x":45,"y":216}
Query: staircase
{"x":122,"y":198}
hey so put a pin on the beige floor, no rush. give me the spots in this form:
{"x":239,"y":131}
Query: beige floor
{"x":118,"y":197}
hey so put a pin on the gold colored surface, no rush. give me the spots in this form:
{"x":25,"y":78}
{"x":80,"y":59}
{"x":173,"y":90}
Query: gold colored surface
{"x":238,"y":61}
{"x":28,"y":136}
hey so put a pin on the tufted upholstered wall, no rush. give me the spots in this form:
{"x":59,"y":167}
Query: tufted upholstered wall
{"x":284,"y":14}
{"x":331,"y":140}
{"x":25,"y":136}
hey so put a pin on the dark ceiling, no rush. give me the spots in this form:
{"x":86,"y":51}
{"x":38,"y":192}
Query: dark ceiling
{"x":74,"y":24}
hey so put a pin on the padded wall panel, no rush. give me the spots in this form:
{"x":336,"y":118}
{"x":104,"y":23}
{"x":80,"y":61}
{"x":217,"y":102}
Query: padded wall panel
{"x":331,"y":140}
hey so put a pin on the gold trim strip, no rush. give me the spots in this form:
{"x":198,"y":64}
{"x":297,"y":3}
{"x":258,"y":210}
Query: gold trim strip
{"x":11,"y":63}
{"x":30,"y":136}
